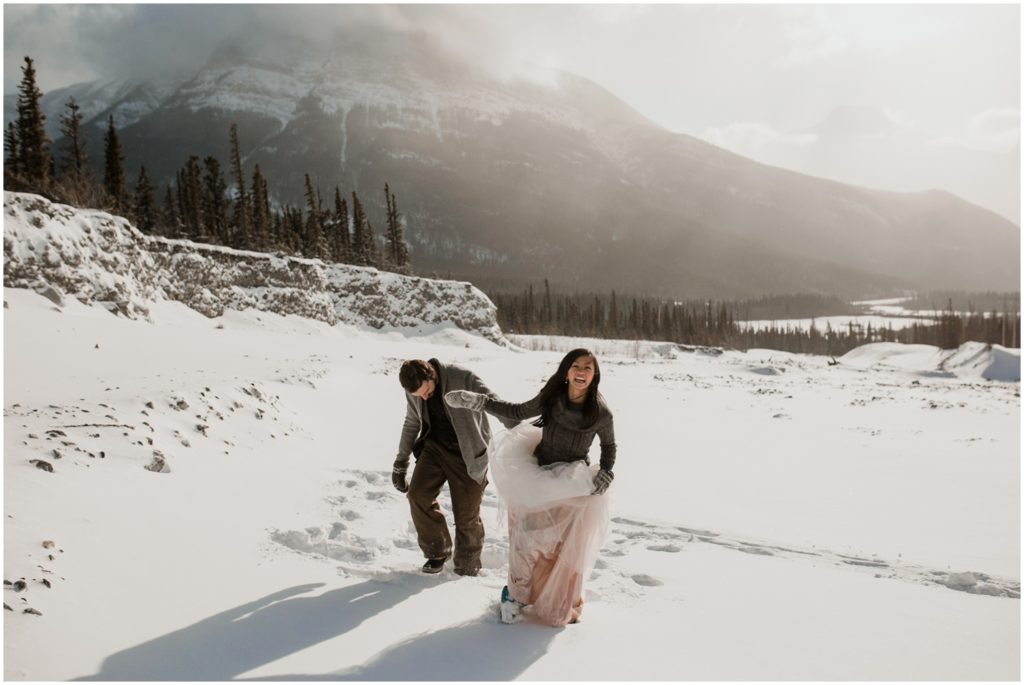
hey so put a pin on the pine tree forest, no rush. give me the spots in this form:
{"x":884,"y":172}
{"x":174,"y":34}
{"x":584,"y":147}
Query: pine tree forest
{"x":714,"y":324}
{"x":205,"y":202}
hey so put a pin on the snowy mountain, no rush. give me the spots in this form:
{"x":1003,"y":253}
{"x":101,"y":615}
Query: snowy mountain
{"x":93,"y":256}
{"x":505,"y":181}
{"x":126,"y":101}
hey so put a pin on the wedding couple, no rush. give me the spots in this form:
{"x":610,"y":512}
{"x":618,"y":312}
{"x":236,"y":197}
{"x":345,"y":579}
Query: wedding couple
{"x":557,"y":514}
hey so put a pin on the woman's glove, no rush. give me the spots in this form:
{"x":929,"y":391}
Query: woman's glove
{"x":398,"y":472}
{"x":465,"y":399}
{"x":601,"y":481}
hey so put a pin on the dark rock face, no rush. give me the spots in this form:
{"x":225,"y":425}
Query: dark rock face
{"x":96,"y":257}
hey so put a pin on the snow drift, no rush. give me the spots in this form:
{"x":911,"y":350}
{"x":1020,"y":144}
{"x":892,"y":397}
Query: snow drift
{"x":970,"y":360}
{"x":94,"y":256}
{"x":864,"y":512}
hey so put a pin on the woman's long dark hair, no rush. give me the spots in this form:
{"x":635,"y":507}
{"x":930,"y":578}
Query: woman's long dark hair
{"x":556,"y":386}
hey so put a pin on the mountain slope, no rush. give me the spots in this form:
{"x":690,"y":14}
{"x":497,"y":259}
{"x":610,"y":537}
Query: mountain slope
{"x":508,"y":181}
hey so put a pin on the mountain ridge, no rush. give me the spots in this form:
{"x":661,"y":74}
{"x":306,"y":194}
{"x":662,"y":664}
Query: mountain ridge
{"x":501,"y":181}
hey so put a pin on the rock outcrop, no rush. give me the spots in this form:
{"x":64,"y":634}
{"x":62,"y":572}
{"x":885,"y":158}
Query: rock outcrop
{"x":97,"y":257}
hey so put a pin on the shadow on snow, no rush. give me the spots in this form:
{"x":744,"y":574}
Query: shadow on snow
{"x":246,"y":637}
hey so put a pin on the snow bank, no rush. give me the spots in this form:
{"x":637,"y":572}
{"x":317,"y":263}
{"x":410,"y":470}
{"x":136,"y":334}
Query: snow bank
{"x":970,"y":360}
{"x":991,"y":362}
{"x":99,"y":258}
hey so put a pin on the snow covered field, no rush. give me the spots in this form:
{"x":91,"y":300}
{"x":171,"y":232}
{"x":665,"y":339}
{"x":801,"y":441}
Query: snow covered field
{"x":887,"y":313}
{"x":838,"y":323}
{"x":775,"y":518}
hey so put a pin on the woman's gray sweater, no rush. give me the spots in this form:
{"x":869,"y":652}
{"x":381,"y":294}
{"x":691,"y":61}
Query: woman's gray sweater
{"x":564,"y":437}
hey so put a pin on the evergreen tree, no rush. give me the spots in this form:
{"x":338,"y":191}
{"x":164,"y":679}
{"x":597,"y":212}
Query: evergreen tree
{"x":183,"y":209}
{"x":33,"y":145}
{"x":12,"y":164}
{"x":358,"y":228}
{"x":278,"y":231}
{"x":397,"y":247}
{"x":170,"y":214}
{"x":364,"y":243}
{"x":315,"y":244}
{"x":547,"y":314}
{"x":343,"y":242}
{"x":613,"y":318}
{"x":215,"y":202}
{"x":113,"y":166}
{"x":261,"y":220}
{"x":293,"y":229}
{"x":241,"y":219}
{"x":531,"y":317}
{"x":73,"y":163}
{"x":144,"y":205}
{"x":192,"y":194}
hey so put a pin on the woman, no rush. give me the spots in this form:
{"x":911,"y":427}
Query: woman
{"x":544,"y":477}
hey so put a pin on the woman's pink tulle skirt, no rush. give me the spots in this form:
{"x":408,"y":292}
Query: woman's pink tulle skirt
{"x":555,"y":526}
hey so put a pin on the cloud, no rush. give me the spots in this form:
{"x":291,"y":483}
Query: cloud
{"x":819,"y":33}
{"x":72,"y":43}
{"x":750,"y":137}
{"x":992,"y":130}
{"x":810,"y":51}
{"x":995,"y":130}
{"x":999,"y":121}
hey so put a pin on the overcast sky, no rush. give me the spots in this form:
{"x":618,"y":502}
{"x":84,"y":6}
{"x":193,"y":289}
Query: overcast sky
{"x":687,"y":67}
{"x":742,"y":76}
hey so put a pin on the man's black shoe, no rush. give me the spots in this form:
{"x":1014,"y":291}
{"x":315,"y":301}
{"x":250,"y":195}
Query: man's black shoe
{"x":434,"y":565}
{"x":467,"y":571}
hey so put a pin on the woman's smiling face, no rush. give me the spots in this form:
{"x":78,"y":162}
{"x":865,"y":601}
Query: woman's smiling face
{"x":581,"y":374}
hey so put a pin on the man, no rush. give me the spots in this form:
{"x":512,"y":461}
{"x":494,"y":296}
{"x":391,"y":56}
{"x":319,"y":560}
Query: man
{"x":450,"y":446}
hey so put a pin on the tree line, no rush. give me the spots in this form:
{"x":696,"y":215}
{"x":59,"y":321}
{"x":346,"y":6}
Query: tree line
{"x":962,"y":301}
{"x":792,"y":306}
{"x":711,"y":323}
{"x":204,"y":203}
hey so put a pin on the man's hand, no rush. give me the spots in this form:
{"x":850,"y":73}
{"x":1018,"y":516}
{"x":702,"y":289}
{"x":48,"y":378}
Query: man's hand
{"x":398,"y":472}
{"x":465,"y":399}
{"x":601,"y":481}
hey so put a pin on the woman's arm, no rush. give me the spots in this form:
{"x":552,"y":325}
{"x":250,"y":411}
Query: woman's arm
{"x":477,"y":385}
{"x":607,"y":436}
{"x":512,"y":410}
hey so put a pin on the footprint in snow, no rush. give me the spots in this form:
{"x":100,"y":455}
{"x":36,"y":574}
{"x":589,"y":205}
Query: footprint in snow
{"x":664,"y":548}
{"x":646,"y":580}
{"x":382,"y":533}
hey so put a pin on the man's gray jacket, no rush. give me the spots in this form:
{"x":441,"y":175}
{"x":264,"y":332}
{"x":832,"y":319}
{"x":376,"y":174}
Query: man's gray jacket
{"x":471,"y":428}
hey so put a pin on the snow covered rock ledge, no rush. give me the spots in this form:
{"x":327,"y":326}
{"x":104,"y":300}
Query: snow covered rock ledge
{"x":97,"y":257}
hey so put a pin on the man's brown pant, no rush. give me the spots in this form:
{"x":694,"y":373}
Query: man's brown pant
{"x":435,"y":466}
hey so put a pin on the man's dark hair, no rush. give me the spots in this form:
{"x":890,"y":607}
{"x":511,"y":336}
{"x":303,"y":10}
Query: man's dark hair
{"x":413,"y":374}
